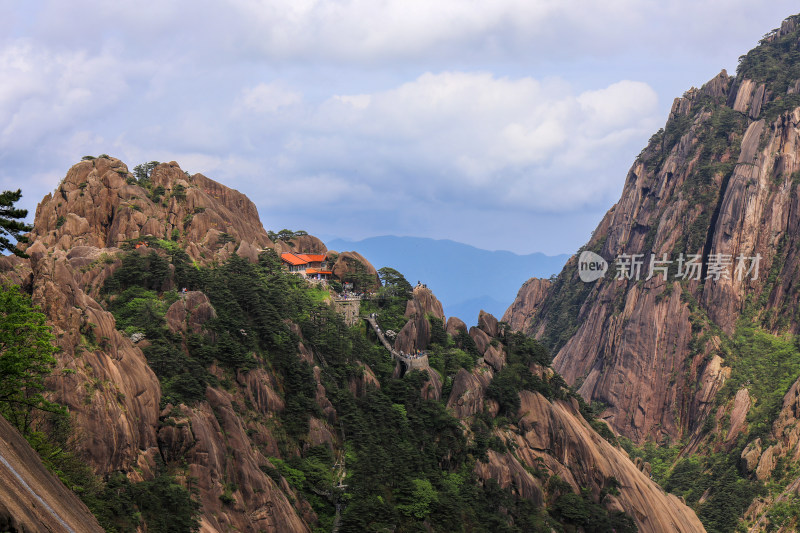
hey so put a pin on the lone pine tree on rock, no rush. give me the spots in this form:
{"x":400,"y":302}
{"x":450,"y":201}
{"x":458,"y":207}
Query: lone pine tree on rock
{"x":11,"y":222}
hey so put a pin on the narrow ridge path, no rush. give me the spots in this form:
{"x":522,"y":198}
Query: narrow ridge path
{"x":409,"y":361}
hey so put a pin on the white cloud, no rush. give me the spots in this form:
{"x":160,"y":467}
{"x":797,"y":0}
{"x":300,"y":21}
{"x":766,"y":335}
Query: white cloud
{"x":44,"y":91}
{"x":373,"y":32}
{"x":268,"y":98}
{"x":445,"y":109}
{"x":475,"y":137}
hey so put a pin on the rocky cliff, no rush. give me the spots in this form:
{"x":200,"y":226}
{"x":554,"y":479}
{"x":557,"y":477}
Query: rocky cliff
{"x":416,"y":334}
{"x":100,"y":204}
{"x":550,"y":437}
{"x":677,"y":353}
{"x":110,"y":390}
{"x":32,"y":498}
{"x":718,"y":181}
{"x":530,"y":295}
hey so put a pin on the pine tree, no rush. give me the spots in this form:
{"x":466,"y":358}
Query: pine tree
{"x":11,"y":222}
{"x":26,"y":358}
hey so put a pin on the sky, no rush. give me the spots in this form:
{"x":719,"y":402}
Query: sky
{"x":504,"y":124}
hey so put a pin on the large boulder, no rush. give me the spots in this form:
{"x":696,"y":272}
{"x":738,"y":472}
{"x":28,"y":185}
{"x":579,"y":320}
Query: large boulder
{"x":455,"y":326}
{"x":530,"y":295}
{"x":416,"y":334}
{"x":487,"y":323}
{"x":190,"y":312}
{"x":350,"y":264}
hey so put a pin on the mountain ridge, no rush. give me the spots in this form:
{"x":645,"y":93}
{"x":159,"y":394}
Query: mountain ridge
{"x":222,"y":379}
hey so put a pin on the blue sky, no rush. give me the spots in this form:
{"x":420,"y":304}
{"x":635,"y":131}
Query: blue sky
{"x":507,"y":124}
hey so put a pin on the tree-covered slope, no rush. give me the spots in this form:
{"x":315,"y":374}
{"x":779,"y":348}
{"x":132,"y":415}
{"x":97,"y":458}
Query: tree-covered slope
{"x":232,"y":393}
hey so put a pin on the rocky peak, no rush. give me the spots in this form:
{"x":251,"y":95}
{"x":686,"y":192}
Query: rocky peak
{"x":530,"y":295}
{"x":99,"y":203}
{"x":416,"y":334}
{"x":719,"y":86}
{"x":455,"y":326}
{"x":424,"y":302}
{"x":488,"y":323}
{"x":720,"y":178}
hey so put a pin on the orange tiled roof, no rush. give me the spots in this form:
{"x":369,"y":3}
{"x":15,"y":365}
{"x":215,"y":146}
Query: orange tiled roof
{"x":312,"y":258}
{"x":293,"y":259}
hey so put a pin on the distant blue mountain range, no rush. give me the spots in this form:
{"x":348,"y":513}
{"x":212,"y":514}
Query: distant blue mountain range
{"x":466,"y":279}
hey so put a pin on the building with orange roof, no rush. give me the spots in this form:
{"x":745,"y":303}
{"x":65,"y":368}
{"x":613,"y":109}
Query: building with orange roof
{"x":312,"y":266}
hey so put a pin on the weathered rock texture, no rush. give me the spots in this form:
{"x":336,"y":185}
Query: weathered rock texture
{"x":226,"y":440}
{"x":26,"y":484}
{"x":556,"y":436}
{"x":553,"y":436}
{"x":99,"y":204}
{"x":348,"y":264}
{"x":213,"y":440}
{"x":761,"y":461}
{"x":455,"y":325}
{"x":530,"y":295}
{"x":416,"y":334}
{"x":190,"y":312}
{"x":112,"y":394}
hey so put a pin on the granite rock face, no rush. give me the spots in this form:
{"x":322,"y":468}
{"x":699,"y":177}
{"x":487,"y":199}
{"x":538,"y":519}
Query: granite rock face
{"x":347,"y":264}
{"x":552,"y":437}
{"x":416,"y":334}
{"x":530,"y":295}
{"x":100,"y":204}
{"x":27,"y":483}
{"x":720,"y":182}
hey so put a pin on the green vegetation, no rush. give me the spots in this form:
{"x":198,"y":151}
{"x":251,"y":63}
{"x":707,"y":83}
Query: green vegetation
{"x":390,"y":300}
{"x":157,"y":193}
{"x":767,"y":365}
{"x":394,"y":283}
{"x":11,"y":223}
{"x":661,"y":458}
{"x":179,"y":192}
{"x":775,"y":62}
{"x":26,"y":359}
{"x":123,"y":507}
{"x":408,"y":462}
{"x":285,"y":235}
{"x":563,"y":305}
{"x":143,"y":171}
{"x":358,"y":275}
{"x":578,"y":510}
{"x":516,"y":375}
